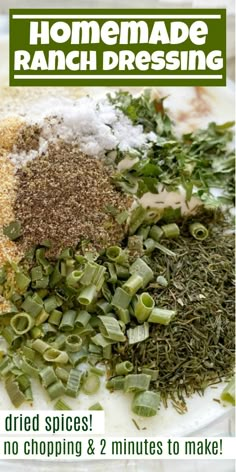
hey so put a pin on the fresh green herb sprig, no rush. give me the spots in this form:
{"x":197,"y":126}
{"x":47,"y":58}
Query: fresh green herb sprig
{"x":199,"y":161}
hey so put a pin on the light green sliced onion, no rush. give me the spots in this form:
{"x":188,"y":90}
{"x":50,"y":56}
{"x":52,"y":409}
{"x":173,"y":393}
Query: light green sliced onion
{"x":48,"y":376}
{"x":121,"y":298}
{"x":143,"y":307}
{"x":161,"y":315}
{"x":150,"y":245}
{"x":155,"y":233}
{"x":110,"y":328}
{"x":14,"y":392}
{"x":22,"y":281}
{"x":96,"y":407}
{"x":62,"y":374}
{"x":136,"y":382}
{"x":21,"y":323}
{"x":123,"y":315}
{"x":138,"y":334}
{"x":60,"y":405}
{"x":133,"y":284}
{"x":91,"y":384}
{"x":87,"y":295}
{"x":116,"y":254}
{"x":136,"y":219}
{"x":228,"y":393}
{"x":124,"y":368}
{"x":82,"y":319}
{"x":54,"y":355}
{"x":116,"y":383}
{"x":40,"y":346}
{"x":143,"y":270}
{"x":73,"y":343}
{"x":56,"y":390}
{"x":161,"y":280}
{"x":73,"y":383}
{"x":72,"y":280}
{"x":146,"y":404}
{"x":198,"y":231}
{"x":68,"y":320}
{"x":55,"y":317}
{"x":170,"y":231}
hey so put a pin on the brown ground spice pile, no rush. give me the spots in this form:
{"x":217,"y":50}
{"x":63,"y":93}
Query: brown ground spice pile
{"x":63,"y":196}
{"x":9,"y":130}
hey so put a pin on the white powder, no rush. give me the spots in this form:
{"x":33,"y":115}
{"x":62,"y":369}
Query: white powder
{"x":96,"y":125}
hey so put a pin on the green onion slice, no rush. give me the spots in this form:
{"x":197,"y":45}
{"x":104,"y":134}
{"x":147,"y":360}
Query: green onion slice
{"x":146,"y":404}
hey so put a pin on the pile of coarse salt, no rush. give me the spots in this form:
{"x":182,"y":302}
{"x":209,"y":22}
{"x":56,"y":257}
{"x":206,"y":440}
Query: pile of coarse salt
{"x":96,"y":125}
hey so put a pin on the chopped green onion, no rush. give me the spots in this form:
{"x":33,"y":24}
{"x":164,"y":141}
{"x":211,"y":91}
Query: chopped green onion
{"x":54,"y":355}
{"x":13,"y":231}
{"x":138,"y":334}
{"x":41,"y":318}
{"x":82,"y":319}
{"x":124,"y":368}
{"x":116,"y":254}
{"x":68,"y":320}
{"x":100,"y":340}
{"x":31,"y":306}
{"x":136,"y":219}
{"x":73,"y":383}
{"x":36,"y":273}
{"x":103,"y":307}
{"x":153,"y":372}
{"x":21,"y":323}
{"x":133,"y":284}
{"x":143,"y":231}
{"x":121,"y":299}
{"x":198,"y":231}
{"x":116,"y":383}
{"x":51,"y":303}
{"x":150,"y":245}
{"x":13,"y":339}
{"x":161,"y":315}
{"x":73,"y":343}
{"x":55,"y":317}
{"x":96,"y":407}
{"x":29,"y":367}
{"x":87,"y":295}
{"x":228,"y":393}
{"x":143,"y":270}
{"x":22,"y":281}
{"x":122,"y":271}
{"x":111,"y":328}
{"x":62,"y":374}
{"x":47,"y":376}
{"x":40,"y":346}
{"x":77,"y":357}
{"x":123,"y":315}
{"x":146,"y":404}
{"x":136,"y":382}
{"x":60,"y":405}
{"x":73,"y":278}
{"x":91,"y":384}
{"x":14,"y":392}
{"x":97,"y":371}
{"x":170,"y":231}
{"x":59,"y":342}
{"x":155,"y":233}
{"x":56,"y":390}
{"x":143,"y":307}
{"x":112,"y":273}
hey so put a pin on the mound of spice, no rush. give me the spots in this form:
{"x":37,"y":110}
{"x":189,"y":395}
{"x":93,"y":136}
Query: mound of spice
{"x":63,"y":197}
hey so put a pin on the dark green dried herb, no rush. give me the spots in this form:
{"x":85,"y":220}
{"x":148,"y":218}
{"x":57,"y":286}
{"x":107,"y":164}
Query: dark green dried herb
{"x":197,"y":348}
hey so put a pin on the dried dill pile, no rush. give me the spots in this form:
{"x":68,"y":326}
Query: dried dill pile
{"x":197,"y":348}
{"x":62,"y":196}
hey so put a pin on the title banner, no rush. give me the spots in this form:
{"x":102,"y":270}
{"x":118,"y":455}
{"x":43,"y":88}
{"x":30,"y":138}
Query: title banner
{"x":117,"y":47}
